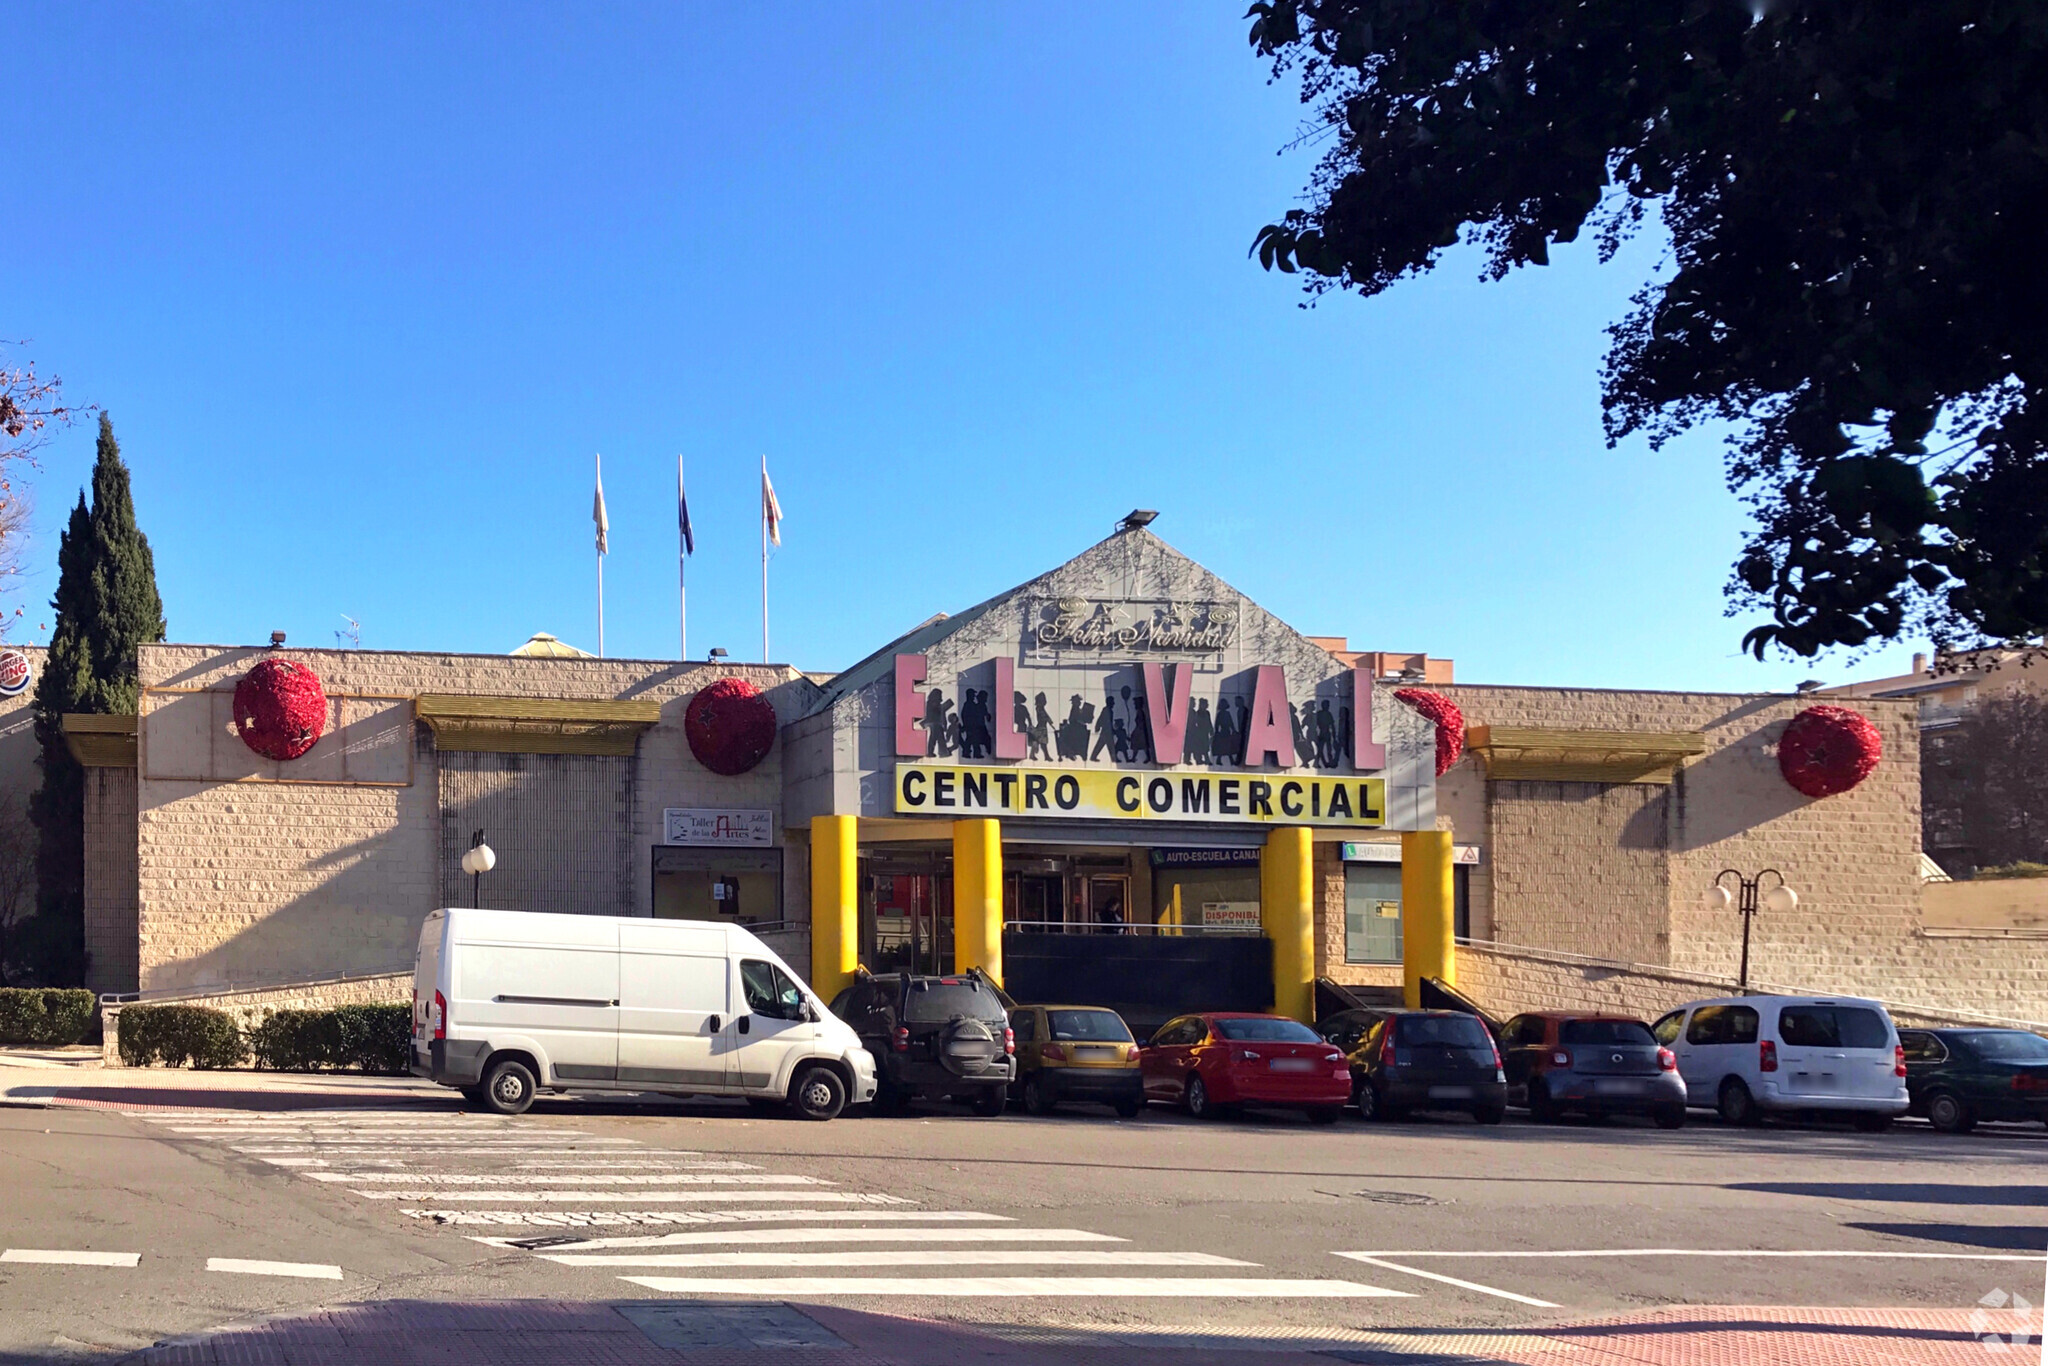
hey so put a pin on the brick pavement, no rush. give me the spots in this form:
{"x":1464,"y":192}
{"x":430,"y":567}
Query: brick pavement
{"x":714,"y":1333}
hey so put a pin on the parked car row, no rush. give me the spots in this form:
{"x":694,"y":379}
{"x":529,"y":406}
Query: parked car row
{"x":508,"y":1004}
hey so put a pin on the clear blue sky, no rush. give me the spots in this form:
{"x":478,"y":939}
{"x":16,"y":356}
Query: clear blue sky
{"x":364,"y":288}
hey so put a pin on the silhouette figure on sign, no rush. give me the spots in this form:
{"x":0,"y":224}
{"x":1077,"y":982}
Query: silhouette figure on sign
{"x":1244,"y":730}
{"x":936,"y":707}
{"x":1343,"y":733}
{"x":1105,"y":726}
{"x":1228,"y":745}
{"x":1037,"y":730}
{"x":1073,"y":732}
{"x":977,"y":721}
{"x":1326,"y":736}
{"x":1141,"y":730}
{"x":1201,"y":730}
{"x":1303,"y":750}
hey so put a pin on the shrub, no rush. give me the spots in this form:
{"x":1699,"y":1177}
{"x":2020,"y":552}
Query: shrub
{"x":176,"y":1035}
{"x":45,"y":1015}
{"x":357,"y":1038}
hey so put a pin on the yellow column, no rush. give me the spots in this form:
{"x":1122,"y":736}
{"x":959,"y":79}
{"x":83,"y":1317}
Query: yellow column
{"x":835,"y":903}
{"x":1429,"y":946}
{"x":1287,"y":913}
{"x":978,"y":897}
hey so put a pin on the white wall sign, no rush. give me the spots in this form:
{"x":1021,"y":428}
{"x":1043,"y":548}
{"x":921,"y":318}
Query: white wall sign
{"x":1359,"y":852}
{"x":1230,"y":915}
{"x":718,"y":828}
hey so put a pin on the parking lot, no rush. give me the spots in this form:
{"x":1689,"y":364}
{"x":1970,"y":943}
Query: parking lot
{"x":179,"y":1220}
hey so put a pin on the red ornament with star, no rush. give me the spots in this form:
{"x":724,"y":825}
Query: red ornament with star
{"x":730,"y":726}
{"x":1827,"y":750}
{"x":280,"y":709}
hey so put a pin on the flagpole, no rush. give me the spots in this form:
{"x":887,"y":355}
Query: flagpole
{"x":600,"y":561}
{"x":764,"y":559}
{"x":683,"y":572}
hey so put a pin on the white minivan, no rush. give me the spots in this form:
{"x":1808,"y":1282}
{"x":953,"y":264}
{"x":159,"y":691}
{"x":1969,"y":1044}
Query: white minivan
{"x":1750,"y":1055}
{"x":507,"y":1003}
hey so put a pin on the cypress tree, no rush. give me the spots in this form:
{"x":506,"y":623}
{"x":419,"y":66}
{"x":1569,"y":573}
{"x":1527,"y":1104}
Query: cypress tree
{"x":106,"y":605}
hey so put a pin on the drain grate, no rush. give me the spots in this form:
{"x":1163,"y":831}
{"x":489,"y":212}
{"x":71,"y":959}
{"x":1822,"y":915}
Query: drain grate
{"x":553,"y":1240}
{"x":1379,"y":1197}
{"x":697,"y":1327}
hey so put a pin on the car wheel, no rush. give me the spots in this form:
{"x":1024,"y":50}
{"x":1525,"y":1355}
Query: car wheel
{"x":817,"y":1093}
{"x":1949,"y":1114}
{"x":509,"y":1088}
{"x":1129,"y":1109}
{"x":1325,"y":1114}
{"x":1489,"y":1114}
{"x":1541,"y":1111}
{"x":991,"y":1101}
{"x":1198,"y":1102}
{"x":1670,"y":1117}
{"x":1036,"y":1101}
{"x":1370,"y":1106}
{"x":1737,"y":1105}
{"x":890,"y":1100}
{"x":1877,"y":1124}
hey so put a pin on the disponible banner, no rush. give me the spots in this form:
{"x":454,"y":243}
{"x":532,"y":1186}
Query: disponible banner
{"x":1101,"y":794}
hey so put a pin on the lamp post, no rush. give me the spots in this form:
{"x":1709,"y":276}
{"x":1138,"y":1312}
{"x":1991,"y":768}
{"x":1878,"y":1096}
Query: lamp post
{"x":477,"y":860}
{"x":1780,"y":899}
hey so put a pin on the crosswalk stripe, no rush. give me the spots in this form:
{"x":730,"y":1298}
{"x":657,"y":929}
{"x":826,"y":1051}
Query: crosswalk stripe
{"x":49,"y":1256}
{"x":1106,"y":1287}
{"x":610,"y":1218}
{"x":626,"y":1218}
{"x":958,"y":1256}
{"x":756,"y":1178}
{"x":1529,"y":1300}
{"x":840,"y":1235}
{"x":314,"y":1271}
{"x":564,"y":1197}
{"x":425,"y":1149}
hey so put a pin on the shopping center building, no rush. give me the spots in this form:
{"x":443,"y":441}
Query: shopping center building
{"x":1122,"y":780}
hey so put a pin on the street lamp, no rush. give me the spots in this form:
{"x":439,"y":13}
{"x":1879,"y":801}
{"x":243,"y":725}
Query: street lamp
{"x":1780,"y":899}
{"x":477,"y":860}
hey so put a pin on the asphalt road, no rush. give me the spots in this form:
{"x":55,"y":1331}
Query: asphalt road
{"x":1074,"y":1219}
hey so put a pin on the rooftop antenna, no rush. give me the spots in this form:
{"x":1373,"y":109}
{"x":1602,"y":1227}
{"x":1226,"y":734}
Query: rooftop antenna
{"x":349,"y":637}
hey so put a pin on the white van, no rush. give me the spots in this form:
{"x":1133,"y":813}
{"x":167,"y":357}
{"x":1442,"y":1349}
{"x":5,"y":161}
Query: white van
{"x":1749,"y":1055}
{"x":506,"y":1003}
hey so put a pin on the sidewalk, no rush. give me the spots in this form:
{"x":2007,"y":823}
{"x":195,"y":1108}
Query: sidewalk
{"x":46,"y":1077}
{"x":728,"y":1333}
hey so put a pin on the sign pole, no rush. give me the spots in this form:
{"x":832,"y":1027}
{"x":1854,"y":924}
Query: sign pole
{"x":764,"y":561}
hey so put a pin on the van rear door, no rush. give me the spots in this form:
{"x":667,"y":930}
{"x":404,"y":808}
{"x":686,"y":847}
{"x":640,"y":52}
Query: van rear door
{"x":1829,"y":1049}
{"x":673,"y":1005}
{"x":561,"y":992}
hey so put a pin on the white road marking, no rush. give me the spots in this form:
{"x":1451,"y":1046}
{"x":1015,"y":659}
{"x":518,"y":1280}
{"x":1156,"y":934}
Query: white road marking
{"x":296,"y":1161}
{"x":615,"y":1218}
{"x":610,"y":1219}
{"x":599,"y":1197}
{"x":566,"y":1179}
{"x":1197,"y":1287}
{"x":1449,"y":1280}
{"x":62,"y":1257}
{"x":841,"y":1235}
{"x":312,"y":1271}
{"x":958,"y":1256}
{"x":1718,"y":1252}
{"x":652,"y":1162}
{"x":424,"y":1149}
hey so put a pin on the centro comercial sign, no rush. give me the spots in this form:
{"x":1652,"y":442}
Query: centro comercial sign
{"x":1109,"y":795}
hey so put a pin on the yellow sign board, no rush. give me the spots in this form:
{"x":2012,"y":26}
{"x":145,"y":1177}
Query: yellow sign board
{"x":1107,"y":794}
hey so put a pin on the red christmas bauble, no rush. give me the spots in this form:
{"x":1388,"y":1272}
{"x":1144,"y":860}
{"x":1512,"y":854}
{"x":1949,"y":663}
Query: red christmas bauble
{"x":280,"y":708}
{"x":730,"y":726}
{"x":1826,"y":750}
{"x":1449,"y":721}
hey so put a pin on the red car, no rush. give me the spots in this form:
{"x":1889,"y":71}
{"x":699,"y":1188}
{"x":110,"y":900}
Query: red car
{"x":1214,"y":1063}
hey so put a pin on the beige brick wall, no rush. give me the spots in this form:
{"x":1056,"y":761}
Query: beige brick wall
{"x":111,"y":870}
{"x":1580,"y":867}
{"x":252,"y":883}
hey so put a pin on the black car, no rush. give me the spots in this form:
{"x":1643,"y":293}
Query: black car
{"x":937,"y":1037}
{"x":1956,"y":1077}
{"x":1404,"y":1060}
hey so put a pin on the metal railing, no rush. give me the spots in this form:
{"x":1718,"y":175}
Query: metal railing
{"x":159,"y":994}
{"x":1138,"y":928}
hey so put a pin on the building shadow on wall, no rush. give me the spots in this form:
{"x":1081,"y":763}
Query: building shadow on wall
{"x":1733,"y":789}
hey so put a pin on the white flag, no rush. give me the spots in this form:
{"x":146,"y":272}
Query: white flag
{"x":771,"y":510}
{"x":604,"y":525}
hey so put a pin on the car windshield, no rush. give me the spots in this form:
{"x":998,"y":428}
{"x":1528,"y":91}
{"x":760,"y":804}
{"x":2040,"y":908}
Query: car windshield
{"x":1605,"y":1032}
{"x":1266,"y":1031}
{"x":944,"y":1000}
{"x":1089,"y":1026}
{"x":2006,"y":1045}
{"x":1455,"y":1031}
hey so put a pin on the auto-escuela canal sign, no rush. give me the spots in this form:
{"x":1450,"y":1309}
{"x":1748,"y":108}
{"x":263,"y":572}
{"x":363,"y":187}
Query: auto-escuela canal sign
{"x":1178,"y":740}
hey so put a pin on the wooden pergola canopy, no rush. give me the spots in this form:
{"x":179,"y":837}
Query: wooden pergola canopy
{"x":1554,"y":755}
{"x":535,"y":725}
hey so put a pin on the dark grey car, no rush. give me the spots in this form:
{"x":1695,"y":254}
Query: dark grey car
{"x":1595,"y":1064}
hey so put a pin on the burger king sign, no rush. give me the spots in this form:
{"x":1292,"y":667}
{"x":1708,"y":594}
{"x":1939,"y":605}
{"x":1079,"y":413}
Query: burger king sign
{"x":14,"y":673}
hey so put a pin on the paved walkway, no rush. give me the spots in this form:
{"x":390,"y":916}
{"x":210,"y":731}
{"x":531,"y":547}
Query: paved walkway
{"x":723,"y":1333}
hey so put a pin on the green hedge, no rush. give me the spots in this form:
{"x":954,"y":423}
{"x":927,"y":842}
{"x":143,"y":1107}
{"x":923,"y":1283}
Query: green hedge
{"x":176,"y":1035}
{"x":355,"y":1038}
{"x":45,"y":1015}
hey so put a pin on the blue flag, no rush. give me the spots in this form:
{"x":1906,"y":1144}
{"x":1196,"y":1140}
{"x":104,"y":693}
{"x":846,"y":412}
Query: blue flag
{"x":683,"y":512}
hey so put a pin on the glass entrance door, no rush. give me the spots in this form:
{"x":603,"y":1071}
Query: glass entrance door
{"x":907,"y":919}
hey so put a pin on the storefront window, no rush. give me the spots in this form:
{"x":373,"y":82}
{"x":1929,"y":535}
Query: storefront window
{"x":743,"y":886}
{"x":1372,"y":912}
